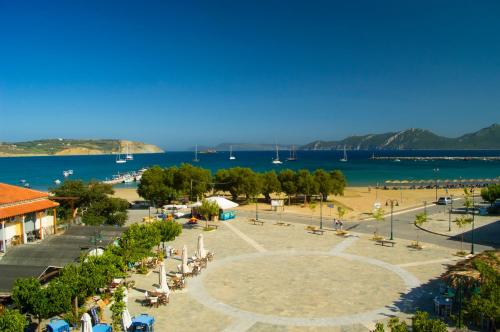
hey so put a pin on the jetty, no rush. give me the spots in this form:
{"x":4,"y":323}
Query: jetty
{"x":494,"y":158}
{"x":126,"y":177}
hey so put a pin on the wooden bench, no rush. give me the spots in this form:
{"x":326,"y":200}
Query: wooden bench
{"x":318,"y":231}
{"x":213,"y":226}
{"x":383,"y":241}
{"x":282,"y":224}
{"x":255,"y":222}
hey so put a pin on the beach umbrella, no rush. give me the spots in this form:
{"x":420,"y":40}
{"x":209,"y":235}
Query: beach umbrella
{"x":389,"y":181}
{"x":185,"y":267}
{"x":201,"y":248}
{"x":126,"y":319}
{"x":86,"y":323}
{"x":163,"y":279}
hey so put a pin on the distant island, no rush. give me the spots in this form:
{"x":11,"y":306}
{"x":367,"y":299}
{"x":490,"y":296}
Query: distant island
{"x":69,"y":147}
{"x":414,"y":139}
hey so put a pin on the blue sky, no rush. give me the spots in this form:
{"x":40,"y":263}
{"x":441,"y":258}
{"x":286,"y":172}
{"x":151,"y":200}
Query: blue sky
{"x":177,"y":73}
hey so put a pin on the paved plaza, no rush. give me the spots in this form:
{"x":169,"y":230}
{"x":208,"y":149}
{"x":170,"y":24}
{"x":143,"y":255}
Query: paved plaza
{"x":283,"y":278}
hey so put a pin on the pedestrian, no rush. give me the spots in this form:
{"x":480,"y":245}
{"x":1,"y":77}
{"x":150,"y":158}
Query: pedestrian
{"x":341,"y":224}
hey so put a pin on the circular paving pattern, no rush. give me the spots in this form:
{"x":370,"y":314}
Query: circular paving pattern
{"x":302,"y":288}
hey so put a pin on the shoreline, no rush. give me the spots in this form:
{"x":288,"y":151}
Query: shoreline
{"x":71,"y":155}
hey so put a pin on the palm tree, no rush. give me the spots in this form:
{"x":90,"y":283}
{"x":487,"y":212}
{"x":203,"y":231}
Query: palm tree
{"x":461,"y":222}
{"x":420,"y":219}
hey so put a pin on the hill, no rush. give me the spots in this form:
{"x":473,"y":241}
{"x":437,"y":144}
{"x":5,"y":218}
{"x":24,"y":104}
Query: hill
{"x":59,"y":146}
{"x":414,"y":139}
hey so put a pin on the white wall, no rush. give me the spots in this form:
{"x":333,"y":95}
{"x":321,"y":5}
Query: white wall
{"x":10,"y":231}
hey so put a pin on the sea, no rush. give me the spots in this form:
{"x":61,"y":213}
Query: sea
{"x":360,"y":170}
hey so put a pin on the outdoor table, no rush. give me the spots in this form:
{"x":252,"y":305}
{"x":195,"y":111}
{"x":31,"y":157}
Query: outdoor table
{"x":58,"y":325}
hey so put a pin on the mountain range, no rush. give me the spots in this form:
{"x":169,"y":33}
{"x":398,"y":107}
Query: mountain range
{"x":414,"y":139}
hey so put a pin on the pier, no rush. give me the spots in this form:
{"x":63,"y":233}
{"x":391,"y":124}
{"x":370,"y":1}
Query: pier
{"x":496,"y":158}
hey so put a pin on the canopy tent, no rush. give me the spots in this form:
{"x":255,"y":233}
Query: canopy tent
{"x":223,"y":203}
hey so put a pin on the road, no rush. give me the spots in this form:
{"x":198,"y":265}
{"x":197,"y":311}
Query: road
{"x":403,"y":227}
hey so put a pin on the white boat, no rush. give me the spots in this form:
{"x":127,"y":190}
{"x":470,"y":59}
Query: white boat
{"x":70,"y":171}
{"x":231,"y":157}
{"x":293,"y":155}
{"x":128,"y":155}
{"x":344,"y":159}
{"x":119,"y":159}
{"x":26,"y":185}
{"x":196,"y":154}
{"x":57,"y":181}
{"x":397,"y":160}
{"x":277,"y":160}
{"x":66,"y":174}
{"x":128,"y":178}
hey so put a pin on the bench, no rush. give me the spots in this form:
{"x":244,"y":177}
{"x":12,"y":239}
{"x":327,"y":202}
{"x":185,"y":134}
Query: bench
{"x":318,"y":231}
{"x":383,"y":241}
{"x":213,"y":226}
{"x":255,"y":222}
{"x":282,"y":224}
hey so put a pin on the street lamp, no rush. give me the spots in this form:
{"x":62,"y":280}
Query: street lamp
{"x":425,"y":207}
{"x":321,"y":212}
{"x":449,"y":214}
{"x":256,"y":209}
{"x":392,"y":202}
{"x":436,"y":170}
{"x":472,"y":234}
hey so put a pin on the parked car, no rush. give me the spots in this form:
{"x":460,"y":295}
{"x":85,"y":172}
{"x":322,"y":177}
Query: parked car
{"x":444,"y":201}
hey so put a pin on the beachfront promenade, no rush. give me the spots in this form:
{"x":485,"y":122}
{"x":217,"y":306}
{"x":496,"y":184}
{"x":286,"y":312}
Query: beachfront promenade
{"x":284,"y":278}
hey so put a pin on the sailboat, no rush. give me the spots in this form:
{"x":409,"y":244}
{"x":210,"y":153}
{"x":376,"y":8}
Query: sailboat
{"x":119,"y":159}
{"x":196,"y":154}
{"x":277,"y":160}
{"x":231,"y":157}
{"x":293,"y":155}
{"x":344,"y":159}
{"x":129,"y":156}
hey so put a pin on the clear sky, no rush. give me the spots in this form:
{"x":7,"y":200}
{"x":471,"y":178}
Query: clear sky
{"x":176,"y":73}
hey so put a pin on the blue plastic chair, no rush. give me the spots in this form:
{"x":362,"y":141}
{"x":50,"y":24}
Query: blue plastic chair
{"x":102,"y":328}
{"x":58,"y":325}
{"x":142,"y":323}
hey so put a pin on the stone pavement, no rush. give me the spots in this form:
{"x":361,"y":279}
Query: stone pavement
{"x":279,"y":278}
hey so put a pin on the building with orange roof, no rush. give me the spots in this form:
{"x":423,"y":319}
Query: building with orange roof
{"x":25,"y":215}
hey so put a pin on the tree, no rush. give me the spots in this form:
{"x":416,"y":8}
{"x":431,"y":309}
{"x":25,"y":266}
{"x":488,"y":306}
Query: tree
{"x":339,"y":182}
{"x":306,"y":185}
{"x":324,"y":183}
{"x":491,"y":193}
{"x":270,"y":184}
{"x":420,"y":219}
{"x":208,"y":210}
{"x":93,"y":202}
{"x":341,"y":212}
{"x":378,"y":215}
{"x":462,"y":222}
{"x":422,"y":323}
{"x":12,"y":321}
{"x":29,"y":296}
{"x":288,"y":184}
{"x":193,"y":181}
{"x":468,"y":200}
{"x":157,"y":185}
{"x":117,"y":309}
{"x":138,"y":241}
{"x":238,"y":181}
{"x":168,"y":230}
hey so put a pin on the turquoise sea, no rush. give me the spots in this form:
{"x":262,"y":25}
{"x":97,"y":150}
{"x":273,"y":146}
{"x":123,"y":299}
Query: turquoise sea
{"x":41,"y":172}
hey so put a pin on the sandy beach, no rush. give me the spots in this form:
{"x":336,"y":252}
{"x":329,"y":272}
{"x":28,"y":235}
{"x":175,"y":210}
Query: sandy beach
{"x":358,"y":201}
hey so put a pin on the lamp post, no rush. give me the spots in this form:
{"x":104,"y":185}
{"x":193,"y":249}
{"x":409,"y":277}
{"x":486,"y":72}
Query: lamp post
{"x":425,"y":207}
{"x":321,"y":212}
{"x":436,"y":170}
{"x":256,"y":209}
{"x":472,"y":234}
{"x":392,"y":202}
{"x":449,"y":214}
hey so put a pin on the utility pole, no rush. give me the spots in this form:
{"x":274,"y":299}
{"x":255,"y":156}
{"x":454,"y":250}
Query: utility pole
{"x":473,"y":214}
{"x":449,"y":214}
